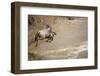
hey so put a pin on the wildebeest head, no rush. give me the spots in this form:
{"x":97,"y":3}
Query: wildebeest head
{"x":48,"y":26}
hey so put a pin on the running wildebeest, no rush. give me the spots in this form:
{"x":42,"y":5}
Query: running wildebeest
{"x":46,"y":33}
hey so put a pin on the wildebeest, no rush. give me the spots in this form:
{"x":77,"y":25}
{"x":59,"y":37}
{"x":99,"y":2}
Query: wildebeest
{"x":46,"y":33}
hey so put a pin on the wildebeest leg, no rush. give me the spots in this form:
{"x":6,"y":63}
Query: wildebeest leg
{"x":36,"y":39}
{"x":50,"y":39}
{"x":36,"y":43}
{"x":47,"y":39}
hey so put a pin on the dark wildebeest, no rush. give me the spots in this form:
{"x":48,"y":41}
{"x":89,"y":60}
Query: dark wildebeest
{"x":46,"y":33}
